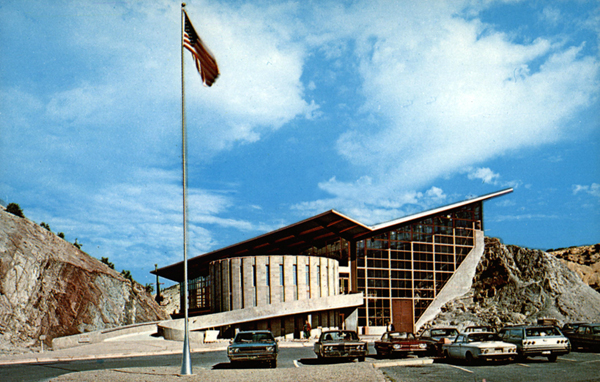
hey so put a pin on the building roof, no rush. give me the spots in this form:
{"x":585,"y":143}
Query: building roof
{"x":293,"y":239}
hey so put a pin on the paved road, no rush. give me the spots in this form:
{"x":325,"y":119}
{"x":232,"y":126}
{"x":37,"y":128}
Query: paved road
{"x":299,"y":363}
{"x":574,"y":367}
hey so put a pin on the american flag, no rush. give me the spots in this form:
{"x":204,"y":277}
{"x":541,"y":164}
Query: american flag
{"x":205,"y":62}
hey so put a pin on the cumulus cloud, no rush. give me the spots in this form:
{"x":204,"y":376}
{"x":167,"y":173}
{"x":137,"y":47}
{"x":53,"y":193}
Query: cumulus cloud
{"x":454,"y":96}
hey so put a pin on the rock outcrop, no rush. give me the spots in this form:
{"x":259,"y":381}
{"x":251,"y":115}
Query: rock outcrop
{"x":50,"y":287}
{"x":170,"y":299}
{"x":584,"y":260}
{"x":515,"y":285}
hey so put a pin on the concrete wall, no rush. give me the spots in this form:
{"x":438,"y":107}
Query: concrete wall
{"x":241,"y":282}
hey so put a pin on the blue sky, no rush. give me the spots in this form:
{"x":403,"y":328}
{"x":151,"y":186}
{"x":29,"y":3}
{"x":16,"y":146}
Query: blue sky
{"x":377,"y":109}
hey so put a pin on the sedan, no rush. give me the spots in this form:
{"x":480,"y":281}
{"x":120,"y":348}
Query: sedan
{"x":258,"y":345}
{"x":340,"y":344}
{"x":399,"y":344}
{"x":480,"y":346}
{"x":586,"y":336}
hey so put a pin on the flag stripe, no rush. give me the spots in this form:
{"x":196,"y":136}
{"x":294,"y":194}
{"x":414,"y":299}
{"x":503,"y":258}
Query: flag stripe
{"x":204,"y":60}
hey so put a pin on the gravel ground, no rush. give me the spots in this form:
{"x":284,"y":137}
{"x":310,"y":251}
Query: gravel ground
{"x":347,"y":372}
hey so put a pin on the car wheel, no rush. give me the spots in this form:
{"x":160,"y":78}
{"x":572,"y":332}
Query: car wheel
{"x":552,"y":358}
{"x":379,"y":353}
{"x":361,"y":359}
{"x":469,"y":358}
{"x":273,"y":364}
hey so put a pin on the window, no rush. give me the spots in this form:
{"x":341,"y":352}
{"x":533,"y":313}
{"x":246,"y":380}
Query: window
{"x":254,"y":275}
{"x":308,"y":275}
{"x":268,"y":275}
{"x":295,"y":275}
{"x":281,"y":281}
{"x":318,"y":275}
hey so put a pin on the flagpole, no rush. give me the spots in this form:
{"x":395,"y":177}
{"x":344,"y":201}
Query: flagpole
{"x":186,"y":362}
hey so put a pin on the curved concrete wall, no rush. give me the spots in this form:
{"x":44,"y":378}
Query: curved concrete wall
{"x":254,"y":281}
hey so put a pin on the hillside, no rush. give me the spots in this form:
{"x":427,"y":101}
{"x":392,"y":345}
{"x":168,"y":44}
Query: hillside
{"x":584,"y":260}
{"x":515,"y":285}
{"x":50,"y":287}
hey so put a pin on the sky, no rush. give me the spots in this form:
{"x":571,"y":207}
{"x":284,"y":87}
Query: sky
{"x":377,"y":109}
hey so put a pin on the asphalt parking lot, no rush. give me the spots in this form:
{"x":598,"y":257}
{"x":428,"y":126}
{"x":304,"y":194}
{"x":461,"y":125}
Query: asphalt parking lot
{"x":576,"y":367}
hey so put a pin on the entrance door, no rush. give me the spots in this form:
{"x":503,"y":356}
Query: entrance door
{"x":402,"y":315}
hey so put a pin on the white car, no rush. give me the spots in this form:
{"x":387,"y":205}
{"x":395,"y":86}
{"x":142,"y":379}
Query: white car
{"x":537,"y":340}
{"x":482,"y":346}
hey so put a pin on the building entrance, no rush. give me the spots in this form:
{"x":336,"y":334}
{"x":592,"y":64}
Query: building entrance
{"x":402,"y":315}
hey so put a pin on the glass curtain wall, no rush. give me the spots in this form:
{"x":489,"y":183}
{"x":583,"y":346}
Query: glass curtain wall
{"x":413,"y":261}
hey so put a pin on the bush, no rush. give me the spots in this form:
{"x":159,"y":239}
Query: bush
{"x":61,"y":235}
{"x":44,"y":225}
{"x":127,"y":275}
{"x":105,"y":261}
{"x":149,"y":288}
{"x":15,"y":209}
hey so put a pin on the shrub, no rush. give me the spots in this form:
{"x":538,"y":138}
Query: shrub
{"x":149,"y":288}
{"x":127,"y":275}
{"x":105,"y":261}
{"x":15,"y":209}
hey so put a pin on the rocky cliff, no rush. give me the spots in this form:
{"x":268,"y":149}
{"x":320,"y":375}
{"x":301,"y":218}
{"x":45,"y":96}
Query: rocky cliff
{"x":515,"y":285}
{"x":584,"y":260}
{"x":49,"y":287}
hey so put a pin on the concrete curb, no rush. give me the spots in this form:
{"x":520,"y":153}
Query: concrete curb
{"x":404,"y":362}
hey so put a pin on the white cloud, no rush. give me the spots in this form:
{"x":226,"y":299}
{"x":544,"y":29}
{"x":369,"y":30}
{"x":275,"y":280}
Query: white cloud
{"x":456,"y":95}
{"x":593,"y":189}
{"x":485,"y":174}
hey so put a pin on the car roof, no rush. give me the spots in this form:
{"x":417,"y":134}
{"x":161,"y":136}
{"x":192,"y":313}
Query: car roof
{"x":254,"y":331}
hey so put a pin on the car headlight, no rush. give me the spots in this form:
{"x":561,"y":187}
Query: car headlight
{"x":271,"y":348}
{"x":485,"y":351}
{"x":422,"y":346}
{"x":234,"y":350}
{"x":359,"y":347}
{"x":397,"y":346}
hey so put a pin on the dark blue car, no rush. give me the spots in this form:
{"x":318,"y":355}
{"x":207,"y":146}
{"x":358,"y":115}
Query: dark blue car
{"x":255,"y":345}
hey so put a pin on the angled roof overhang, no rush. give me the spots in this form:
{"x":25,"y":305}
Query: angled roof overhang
{"x":298,"y":237}
{"x":293,"y":239}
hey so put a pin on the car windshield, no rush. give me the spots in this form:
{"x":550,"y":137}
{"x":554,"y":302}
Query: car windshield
{"x":340,"y":336}
{"x":443,"y":332}
{"x":483,"y":337}
{"x":542,"y":331}
{"x":596,"y":329}
{"x":477,"y":329}
{"x":401,"y":336}
{"x":253,"y":337}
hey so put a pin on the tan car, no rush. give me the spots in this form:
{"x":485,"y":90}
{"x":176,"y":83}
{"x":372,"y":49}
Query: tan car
{"x":340,"y":344}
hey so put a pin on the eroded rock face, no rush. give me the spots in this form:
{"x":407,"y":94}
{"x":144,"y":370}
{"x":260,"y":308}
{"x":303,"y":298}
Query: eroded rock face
{"x":515,"y":285}
{"x":584,"y":260}
{"x":50,"y":287}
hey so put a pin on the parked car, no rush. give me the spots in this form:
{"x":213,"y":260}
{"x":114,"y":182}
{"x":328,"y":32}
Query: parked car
{"x":340,"y":344}
{"x":571,"y":327}
{"x":479,"y":329}
{"x":535,"y":340}
{"x":586,"y":336}
{"x":436,"y":337}
{"x":256,"y":345}
{"x":399,"y":344}
{"x":483,"y":346}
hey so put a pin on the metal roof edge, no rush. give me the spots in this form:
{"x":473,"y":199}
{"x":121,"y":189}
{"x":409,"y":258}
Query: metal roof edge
{"x":440,"y":209}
